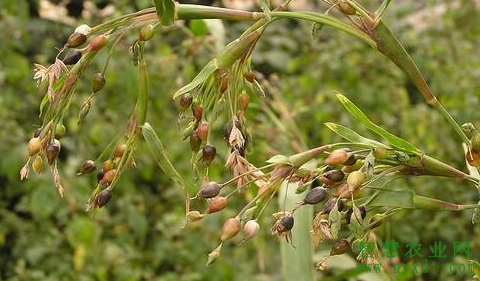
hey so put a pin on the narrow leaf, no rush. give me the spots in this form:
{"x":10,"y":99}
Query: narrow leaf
{"x":394,"y":198}
{"x":361,"y":117}
{"x":165,"y":11}
{"x":353,"y":136}
{"x":201,"y":77}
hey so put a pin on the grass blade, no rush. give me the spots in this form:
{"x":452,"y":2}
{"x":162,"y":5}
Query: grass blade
{"x":163,"y":161}
{"x":201,"y":77}
{"x":361,"y":117}
{"x":165,"y":11}
{"x":353,"y":136}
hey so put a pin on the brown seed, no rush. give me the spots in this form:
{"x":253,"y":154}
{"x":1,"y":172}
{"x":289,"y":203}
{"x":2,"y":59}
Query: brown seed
{"x":243,"y":101}
{"x":209,"y":189}
{"x":108,"y":165}
{"x":337,"y":157}
{"x":103,"y":197}
{"x":202,"y":131}
{"x":334,"y":175}
{"x":230,"y":228}
{"x":88,"y":167}
{"x":195,"y":141}
{"x":100,"y":175}
{"x":209,"y":152}
{"x":37,"y":133}
{"x":185,"y":101}
{"x":119,"y":150}
{"x":473,"y":158}
{"x":224,"y":85}
{"x":34,"y":146}
{"x":75,"y":40}
{"x":52,"y":151}
{"x":216,"y":204}
{"x":108,"y":177}
{"x":340,"y":247}
{"x":350,"y":161}
{"x":326,"y":181}
{"x":72,"y":57}
{"x":346,"y":8}
{"x":198,"y":112}
{"x":98,"y":43}
{"x":250,"y":76}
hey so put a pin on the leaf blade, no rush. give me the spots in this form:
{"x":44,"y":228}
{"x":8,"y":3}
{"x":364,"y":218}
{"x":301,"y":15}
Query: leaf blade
{"x":352,"y":136}
{"x":165,"y":11}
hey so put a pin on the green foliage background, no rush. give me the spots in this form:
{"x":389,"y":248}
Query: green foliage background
{"x":137,"y":237}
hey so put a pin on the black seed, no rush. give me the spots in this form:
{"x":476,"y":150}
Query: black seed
{"x":327,"y":208}
{"x":209,"y":152}
{"x":52,"y":152}
{"x":185,"y":101}
{"x":76,"y":39}
{"x":335,"y":175}
{"x":37,"y":132}
{"x":287,"y":222}
{"x":350,"y":161}
{"x":209,"y":190}
{"x":195,"y":141}
{"x":100,"y":175}
{"x":315,"y":196}
{"x":72,"y":57}
{"x":363,"y":213}
{"x":103,"y":197}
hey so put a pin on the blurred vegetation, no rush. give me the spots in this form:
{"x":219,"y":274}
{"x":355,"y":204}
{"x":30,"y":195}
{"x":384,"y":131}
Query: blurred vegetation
{"x":137,"y":237}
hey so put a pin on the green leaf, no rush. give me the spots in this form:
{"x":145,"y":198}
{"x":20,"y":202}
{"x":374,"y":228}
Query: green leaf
{"x":476,"y":268}
{"x":361,"y":117}
{"x":201,"y":77}
{"x":382,"y":9}
{"x":394,"y":198}
{"x":352,"y":136}
{"x":165,"y":11}
{"x":356,"y":223}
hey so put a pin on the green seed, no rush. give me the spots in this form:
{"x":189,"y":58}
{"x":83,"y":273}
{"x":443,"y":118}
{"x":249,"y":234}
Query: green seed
{"x":60,"y":131}
{"x":146,"y":32}
{"x":98,"y":82}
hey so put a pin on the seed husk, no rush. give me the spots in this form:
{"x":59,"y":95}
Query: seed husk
{"x":216,"y":204}
{"x":202,"y":131}
{"x":108,"y":177}
{"x":37,"y":133}
{"x":195,"y":141}
{"x":60,"y":131}
{"x":287,"y":222}
{"x":72,"y":57}
{"x":346,"y":8}
{"x":38,"y":164}
{"x":250,"y":229}
{"x":334,"y":175}
{"x":146,"y":32}
{"x":209,"y":190}
{"x":209,"y":152}
{"x":52,"y":151}
{"x":224,"y":85}
{"x":88,"y":167}
{"x":337,"y":157}
{"x":363,"y":213}
{"x":243,"y":101}
{"x":230,"y":228}
{"x":103,"y":197}
{"x":340,"y":247}
{"x":227,"y":130}
{"x":34,"y":146}
{"x":315,"y":196}
{"x":119,"y":150}
{"x":98,"y":82}
{"x":185,"y":101}
{"x":76,"y":39}
{"x":355,"y":180}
